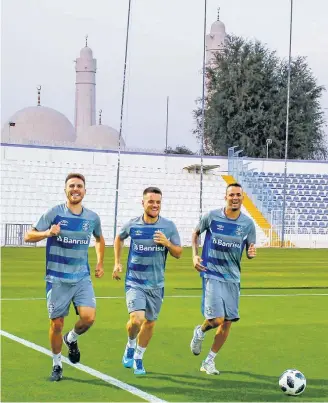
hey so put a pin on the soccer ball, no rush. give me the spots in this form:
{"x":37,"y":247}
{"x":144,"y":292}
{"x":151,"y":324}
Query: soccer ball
{"x":292,"y":382}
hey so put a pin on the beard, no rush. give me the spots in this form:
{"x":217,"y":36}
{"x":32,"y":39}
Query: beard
{"x":152,"y":214}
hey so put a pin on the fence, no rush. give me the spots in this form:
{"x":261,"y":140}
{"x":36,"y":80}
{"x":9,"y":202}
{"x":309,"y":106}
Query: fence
{"x":14,"y":235}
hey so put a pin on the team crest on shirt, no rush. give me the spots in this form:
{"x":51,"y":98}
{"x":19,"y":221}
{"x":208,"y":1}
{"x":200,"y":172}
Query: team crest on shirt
{"x":85,"y":225}
{"x":239,"y":230}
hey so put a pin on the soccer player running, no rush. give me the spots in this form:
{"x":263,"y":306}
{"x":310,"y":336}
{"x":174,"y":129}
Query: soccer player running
{"x":228,"y":231}
{"x":68,"y":228}
{"x":152,"y":237}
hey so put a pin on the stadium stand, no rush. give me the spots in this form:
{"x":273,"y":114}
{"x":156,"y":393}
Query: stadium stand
{"x":33,"y":180}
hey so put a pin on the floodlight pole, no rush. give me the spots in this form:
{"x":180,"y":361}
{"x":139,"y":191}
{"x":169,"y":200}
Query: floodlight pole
{"x":121,"y":119}
{"x":287,"y":125}
{"x":203,"y":115}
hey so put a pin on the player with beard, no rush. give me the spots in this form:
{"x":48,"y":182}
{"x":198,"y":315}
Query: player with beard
{"x":68,"y":228}
{"x":152,"y":237}
{"x":228,"y":231}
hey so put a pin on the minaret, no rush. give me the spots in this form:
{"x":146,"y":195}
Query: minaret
{"x":215,"y":39}
{"x":85,"y":94}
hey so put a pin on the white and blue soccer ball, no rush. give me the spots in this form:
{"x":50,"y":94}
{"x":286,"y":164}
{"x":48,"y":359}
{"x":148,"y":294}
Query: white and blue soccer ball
{"x":292,"y":382}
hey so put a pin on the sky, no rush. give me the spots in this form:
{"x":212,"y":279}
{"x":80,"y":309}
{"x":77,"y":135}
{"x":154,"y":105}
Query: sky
{"x":40,"y":39}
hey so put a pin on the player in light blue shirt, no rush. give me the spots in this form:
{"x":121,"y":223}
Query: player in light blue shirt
{"x":68,"y":229}
{"x":152,"y":237}
{"x":228,"y":233}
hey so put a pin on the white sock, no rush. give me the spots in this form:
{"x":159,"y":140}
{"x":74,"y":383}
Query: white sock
{"x":200,"y":333}
{"x":139,"y":352}
{"x":210,"y":357}
{"x":56,"y":359}
{"x":72,"y":336}
{"x":132,"y":343}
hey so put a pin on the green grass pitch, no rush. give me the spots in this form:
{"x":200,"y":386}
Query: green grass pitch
{"x":284,"y":324}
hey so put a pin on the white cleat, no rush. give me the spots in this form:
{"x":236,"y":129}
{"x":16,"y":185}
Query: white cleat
{"x":209,"y":368}
{"x":196,"y":342}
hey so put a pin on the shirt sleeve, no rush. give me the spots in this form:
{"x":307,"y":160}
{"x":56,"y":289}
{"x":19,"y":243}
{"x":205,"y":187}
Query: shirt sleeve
{"x":125,"y":231}
{"x":204,"y":223}
{"x":97,"y":231}
{"x":175,"y":237}
{"x":251,"y":237}
{"x":45,"y":221}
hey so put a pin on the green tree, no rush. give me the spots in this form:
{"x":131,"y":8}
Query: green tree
{"x":246,"y":104}
{"x":178,"y":150}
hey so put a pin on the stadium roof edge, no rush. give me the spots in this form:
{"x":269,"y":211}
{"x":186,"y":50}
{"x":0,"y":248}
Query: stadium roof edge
{"x":95,"y":150}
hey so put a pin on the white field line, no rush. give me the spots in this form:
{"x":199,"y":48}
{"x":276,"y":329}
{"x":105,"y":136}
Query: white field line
{"x":106,"y":378}
{"x":184,"y":296}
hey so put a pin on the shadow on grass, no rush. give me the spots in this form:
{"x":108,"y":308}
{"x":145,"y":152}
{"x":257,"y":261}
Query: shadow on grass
{"x":211,"y":388}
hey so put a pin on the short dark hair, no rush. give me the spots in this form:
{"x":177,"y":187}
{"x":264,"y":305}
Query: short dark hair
{"x":235,"y":184}
{"x":152,"y":189}
{"x":74,"y":175}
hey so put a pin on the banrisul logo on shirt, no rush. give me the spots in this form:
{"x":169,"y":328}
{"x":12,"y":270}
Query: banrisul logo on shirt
{"x":225,"y":244}
{"x":145,"y":248}
{"x":74,"y":241}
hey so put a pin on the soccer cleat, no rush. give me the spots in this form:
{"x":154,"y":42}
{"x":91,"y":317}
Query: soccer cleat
{"x":138,"y":367}
{"x":127,"y":359}
{"x":57,"y":373}
{"x":209,"y":368}
{"x":73,"y":350}
{"x":196,"y":342}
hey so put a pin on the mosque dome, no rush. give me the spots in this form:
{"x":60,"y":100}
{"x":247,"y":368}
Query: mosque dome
{"x":218,"y":28}
{"x":40,"y":124}
{"x":100,"y":136}
{"x":86,"y":53}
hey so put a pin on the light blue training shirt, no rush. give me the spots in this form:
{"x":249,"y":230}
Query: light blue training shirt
{"x":146,"y":260}
{"x":224,"y":243}
{"x":67,"y":253}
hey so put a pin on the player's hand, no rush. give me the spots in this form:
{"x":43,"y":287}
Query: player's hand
{"x":197,"y":260}
{"x":251,"y":252}
{"x":117,"y":269}
{"x":160,"y":238}
{"x":99,"y":271}
{"x":54,"y":230}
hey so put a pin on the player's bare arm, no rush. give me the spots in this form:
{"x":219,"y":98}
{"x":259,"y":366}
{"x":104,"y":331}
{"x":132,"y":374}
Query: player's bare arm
{"x":118,"y":247}
{"x":100,"y":251}
{"x":197,"y":260}
{"x":35,"y":236}
{"x":160,"y":239}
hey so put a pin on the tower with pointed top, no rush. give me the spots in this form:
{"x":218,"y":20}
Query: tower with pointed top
{"x":85,"y":89}
{"x":215,"y":39}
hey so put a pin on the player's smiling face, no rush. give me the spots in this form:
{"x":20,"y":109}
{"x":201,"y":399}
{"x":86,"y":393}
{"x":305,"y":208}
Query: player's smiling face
{"x":234,"y":198}
{"x":152,"y":204}
{"x":75,"y":190}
